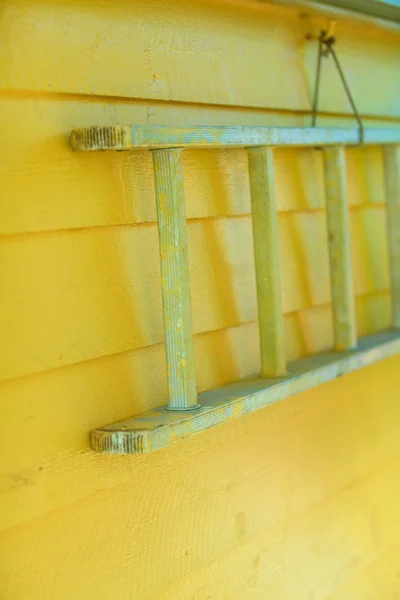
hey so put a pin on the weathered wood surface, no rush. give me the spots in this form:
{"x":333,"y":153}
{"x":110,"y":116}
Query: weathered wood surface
{"x":101,"y":287}
{"x":128,"y":137}
{"x":99,"y":190}
{"x":266,"y":256}
{"x":338,"y":220}
{"x":208,"y":516}
{"x":175,"y":280}
{"x":277,"y":459}
{"x":159,"y":428}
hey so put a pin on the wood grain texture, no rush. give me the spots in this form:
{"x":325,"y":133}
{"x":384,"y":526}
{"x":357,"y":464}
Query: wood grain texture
{"x":96,"y":392}
{"x":169,"y":47}
{"x":284,"y":561}
{"x":392,"y":182}
{"x":131,"y":137}
{"x":62,"y":463}
{"x":226,"y":41}
{"x":288,"y":540}
{"x":78,"y":249}
{"x":156,"y":429}
{"x":268,"y":276}
{"x":100,"y":189}
{"x":78,"y":295}
{"x":339,"y":249}
{"x":175,"y":282}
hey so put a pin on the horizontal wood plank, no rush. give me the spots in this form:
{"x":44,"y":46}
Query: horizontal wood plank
{"x":226,"y":42}
{"x":231,"y":520}
{"x":259,"y":472}
{"x":63,"y":465}
{"x":159,"y":428}
{"x":168,"y":48}
{"x":308,"y":557}
{"x":45,"y":186}
{"x":74,"y":296}
{"x":101,"y":391}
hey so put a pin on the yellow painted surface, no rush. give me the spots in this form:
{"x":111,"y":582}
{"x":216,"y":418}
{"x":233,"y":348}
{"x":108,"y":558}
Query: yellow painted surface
{"x":299,"y":500}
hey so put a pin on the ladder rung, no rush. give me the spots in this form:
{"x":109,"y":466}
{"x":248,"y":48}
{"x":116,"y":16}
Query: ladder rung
{"x":159,"y":428}
{"x":339,"y":248}
{"x":266,"y":255}
{"x":175,"y":285}
{"x":392,"y":184}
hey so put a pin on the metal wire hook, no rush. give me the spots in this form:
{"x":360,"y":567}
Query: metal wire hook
{"x":325,"y":48}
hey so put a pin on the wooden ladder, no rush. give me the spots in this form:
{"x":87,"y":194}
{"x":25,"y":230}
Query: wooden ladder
{"x":187,"y":412}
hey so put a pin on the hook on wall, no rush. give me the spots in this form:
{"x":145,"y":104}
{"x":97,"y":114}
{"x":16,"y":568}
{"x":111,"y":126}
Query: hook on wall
{"x":326,"y":43}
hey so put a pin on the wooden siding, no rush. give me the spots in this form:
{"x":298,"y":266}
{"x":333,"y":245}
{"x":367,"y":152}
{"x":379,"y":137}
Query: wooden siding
{"x":297,"y":500}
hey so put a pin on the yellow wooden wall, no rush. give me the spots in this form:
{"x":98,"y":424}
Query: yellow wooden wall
{"x":297,"y":501}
